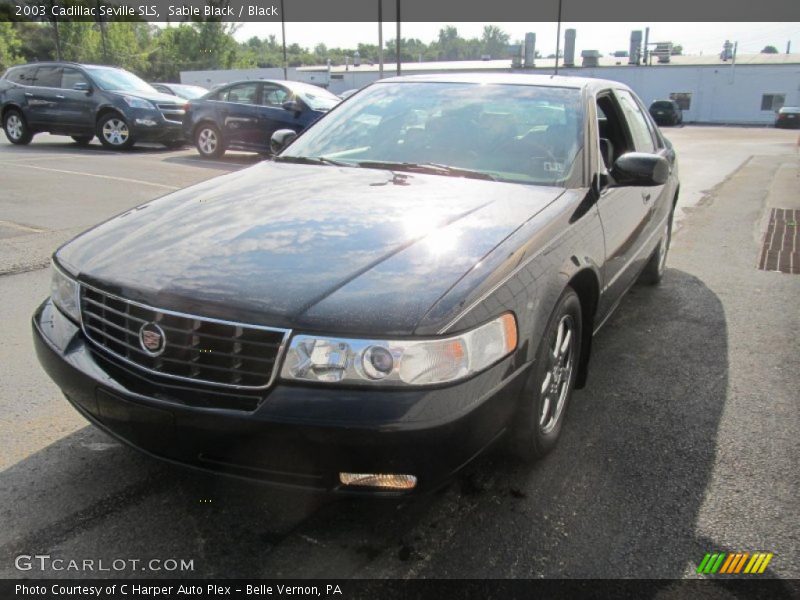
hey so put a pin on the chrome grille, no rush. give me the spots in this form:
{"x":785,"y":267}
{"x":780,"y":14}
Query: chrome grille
{"x":197,"y":349}
{"x":172,"y":112}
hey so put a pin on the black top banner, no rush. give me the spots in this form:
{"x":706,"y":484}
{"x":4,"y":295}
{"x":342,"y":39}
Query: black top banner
{"x":410,"y":10}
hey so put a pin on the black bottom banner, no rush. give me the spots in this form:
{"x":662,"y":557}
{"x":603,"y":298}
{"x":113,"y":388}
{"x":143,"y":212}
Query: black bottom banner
{"x":386,"y":589}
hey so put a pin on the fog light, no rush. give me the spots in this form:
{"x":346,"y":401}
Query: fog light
{"x":146,"y":122}
{"x":377,"y":480}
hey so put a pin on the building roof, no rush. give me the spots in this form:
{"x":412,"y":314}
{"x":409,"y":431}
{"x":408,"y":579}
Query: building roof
{"x":549,"y":63}
{"x":508,"y":78}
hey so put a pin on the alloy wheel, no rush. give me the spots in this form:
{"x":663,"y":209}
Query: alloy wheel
{"x":207,"y":141}
{"x":115,"y":131}
{"x":14,"y":127}
{"x":556,"y":382}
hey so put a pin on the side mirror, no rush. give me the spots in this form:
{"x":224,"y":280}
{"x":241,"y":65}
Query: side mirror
{"x":292,"y":106}
{"x":640,"y":169}
{"x":82,"y":86}
{"x":280,"y":139}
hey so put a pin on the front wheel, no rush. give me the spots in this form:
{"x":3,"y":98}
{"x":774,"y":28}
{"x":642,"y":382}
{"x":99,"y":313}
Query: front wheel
{"x":114,"y":132}
{"x":653,"y":272}
{"x":209,"y":141}
{"x":16,"y":128}
{"x":549,"y":387}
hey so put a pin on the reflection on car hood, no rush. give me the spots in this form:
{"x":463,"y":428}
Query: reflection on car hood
{"x":302,"y":246}
{"x":152,"y":96}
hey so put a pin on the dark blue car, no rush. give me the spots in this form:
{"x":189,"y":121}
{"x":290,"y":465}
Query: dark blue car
{"x":245,"y":114}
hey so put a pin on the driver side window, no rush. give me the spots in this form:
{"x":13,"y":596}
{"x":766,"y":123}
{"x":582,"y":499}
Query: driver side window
{"x":274,"y":95}
{"x":637,"y":123}
{"x":613,"y":132}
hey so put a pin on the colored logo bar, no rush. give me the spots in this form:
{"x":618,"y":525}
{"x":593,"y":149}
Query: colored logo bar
{"x":733,"y":563}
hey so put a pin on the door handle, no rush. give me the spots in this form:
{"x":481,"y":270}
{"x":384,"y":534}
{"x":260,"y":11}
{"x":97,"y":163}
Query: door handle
{"x":59,"y":97}
{"x":646,"y":197}
{"x":28,"y":95}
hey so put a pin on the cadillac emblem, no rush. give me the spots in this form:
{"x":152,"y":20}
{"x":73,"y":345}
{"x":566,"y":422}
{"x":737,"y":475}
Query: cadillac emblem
{"x":152,"y":339}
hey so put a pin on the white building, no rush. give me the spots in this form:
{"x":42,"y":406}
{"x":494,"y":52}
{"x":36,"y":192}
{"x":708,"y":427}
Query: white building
{"x":747,"y":91}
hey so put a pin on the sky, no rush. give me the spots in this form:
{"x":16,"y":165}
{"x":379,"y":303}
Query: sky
{"x":696,"y":38}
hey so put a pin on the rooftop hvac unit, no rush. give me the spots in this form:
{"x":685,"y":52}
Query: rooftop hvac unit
{"x":591,"y":58}
{"x":569,"y":48}
{"x":530,"y":50}
{"x":663,"y":51}
{"x":516,"y":50}
{"x":635,"y":50}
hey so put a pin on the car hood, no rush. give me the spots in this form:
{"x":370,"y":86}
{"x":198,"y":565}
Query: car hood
{"x":152,"y":96}
{"x":314,"y":247}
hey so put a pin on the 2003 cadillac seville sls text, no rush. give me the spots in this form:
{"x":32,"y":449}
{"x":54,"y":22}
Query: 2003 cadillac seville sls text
{"x":414,"y":276}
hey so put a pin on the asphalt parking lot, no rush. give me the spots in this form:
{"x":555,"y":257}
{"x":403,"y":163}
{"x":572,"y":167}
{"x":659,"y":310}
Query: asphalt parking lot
{"x":685,"y":440}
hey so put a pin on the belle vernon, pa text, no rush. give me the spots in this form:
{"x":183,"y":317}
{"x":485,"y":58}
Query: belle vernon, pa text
{"x":134,"y":589}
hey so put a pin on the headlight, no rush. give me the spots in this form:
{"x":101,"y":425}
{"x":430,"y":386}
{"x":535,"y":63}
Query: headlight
{"x":400,"y":362}
{"x":65,"y":292}
{"x":135,"y":102}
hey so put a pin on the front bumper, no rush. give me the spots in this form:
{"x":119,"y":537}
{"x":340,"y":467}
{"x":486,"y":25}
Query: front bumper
{"x":149,"y":125}
{"x":297,"y":436}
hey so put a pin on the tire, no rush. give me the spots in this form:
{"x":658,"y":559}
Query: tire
{"x":114,"y":132}
{"x":208,"y":141}
{"x":82,"y":140}
{"x":653,"y":272}
{"x":16,"y":128}
{"x":547,"y":392}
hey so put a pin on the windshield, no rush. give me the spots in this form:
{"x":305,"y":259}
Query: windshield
{"x":190,"y":92}
{"x":118,"y":80}
{"x":315,"y":97}
{"x":517,"y":133}
{"x":662,"y":105}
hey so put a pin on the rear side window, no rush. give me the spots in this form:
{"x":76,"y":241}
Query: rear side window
{"x":21,"y":75}
{"x":637,"y":122}
{"x":244,"y":93}
{"x":48,"y":77}
{"x":663,"y":105}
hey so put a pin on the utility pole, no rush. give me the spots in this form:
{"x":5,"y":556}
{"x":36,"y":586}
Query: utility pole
{"x":397,"y":42}
{"x":57,"y":38}
{"x":558,"y":36}
{"x":380,"y":39}
{"x":283,"y":36}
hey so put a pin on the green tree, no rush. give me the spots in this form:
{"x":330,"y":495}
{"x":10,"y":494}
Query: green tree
{"x":10,"y":46}
{"x":494,"y":41}
{"x":769,"y":50}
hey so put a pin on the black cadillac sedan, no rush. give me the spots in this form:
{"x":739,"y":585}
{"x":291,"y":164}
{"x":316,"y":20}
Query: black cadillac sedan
{"x":414,"y":277}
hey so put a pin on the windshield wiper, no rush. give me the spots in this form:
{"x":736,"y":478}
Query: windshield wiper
{"x":312,"y":160}
{"x":428,"y":167}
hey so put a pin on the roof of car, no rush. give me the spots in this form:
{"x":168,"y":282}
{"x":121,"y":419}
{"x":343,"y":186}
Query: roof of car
{"x":511,"y":79}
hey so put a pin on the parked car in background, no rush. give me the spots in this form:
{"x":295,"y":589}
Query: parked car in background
{"x":393,"y":293}
{"x":666,"y":112}
{"x":347,"y":93}
{"x":84,"y":101}
{"x":788,"y":117}
{"x":243,"y":115}
{"x":187,"y":92}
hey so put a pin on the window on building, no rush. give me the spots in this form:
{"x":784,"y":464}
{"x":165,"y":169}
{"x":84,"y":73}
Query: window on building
{"x":684,"y":99}
{"x":773,"y":102}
